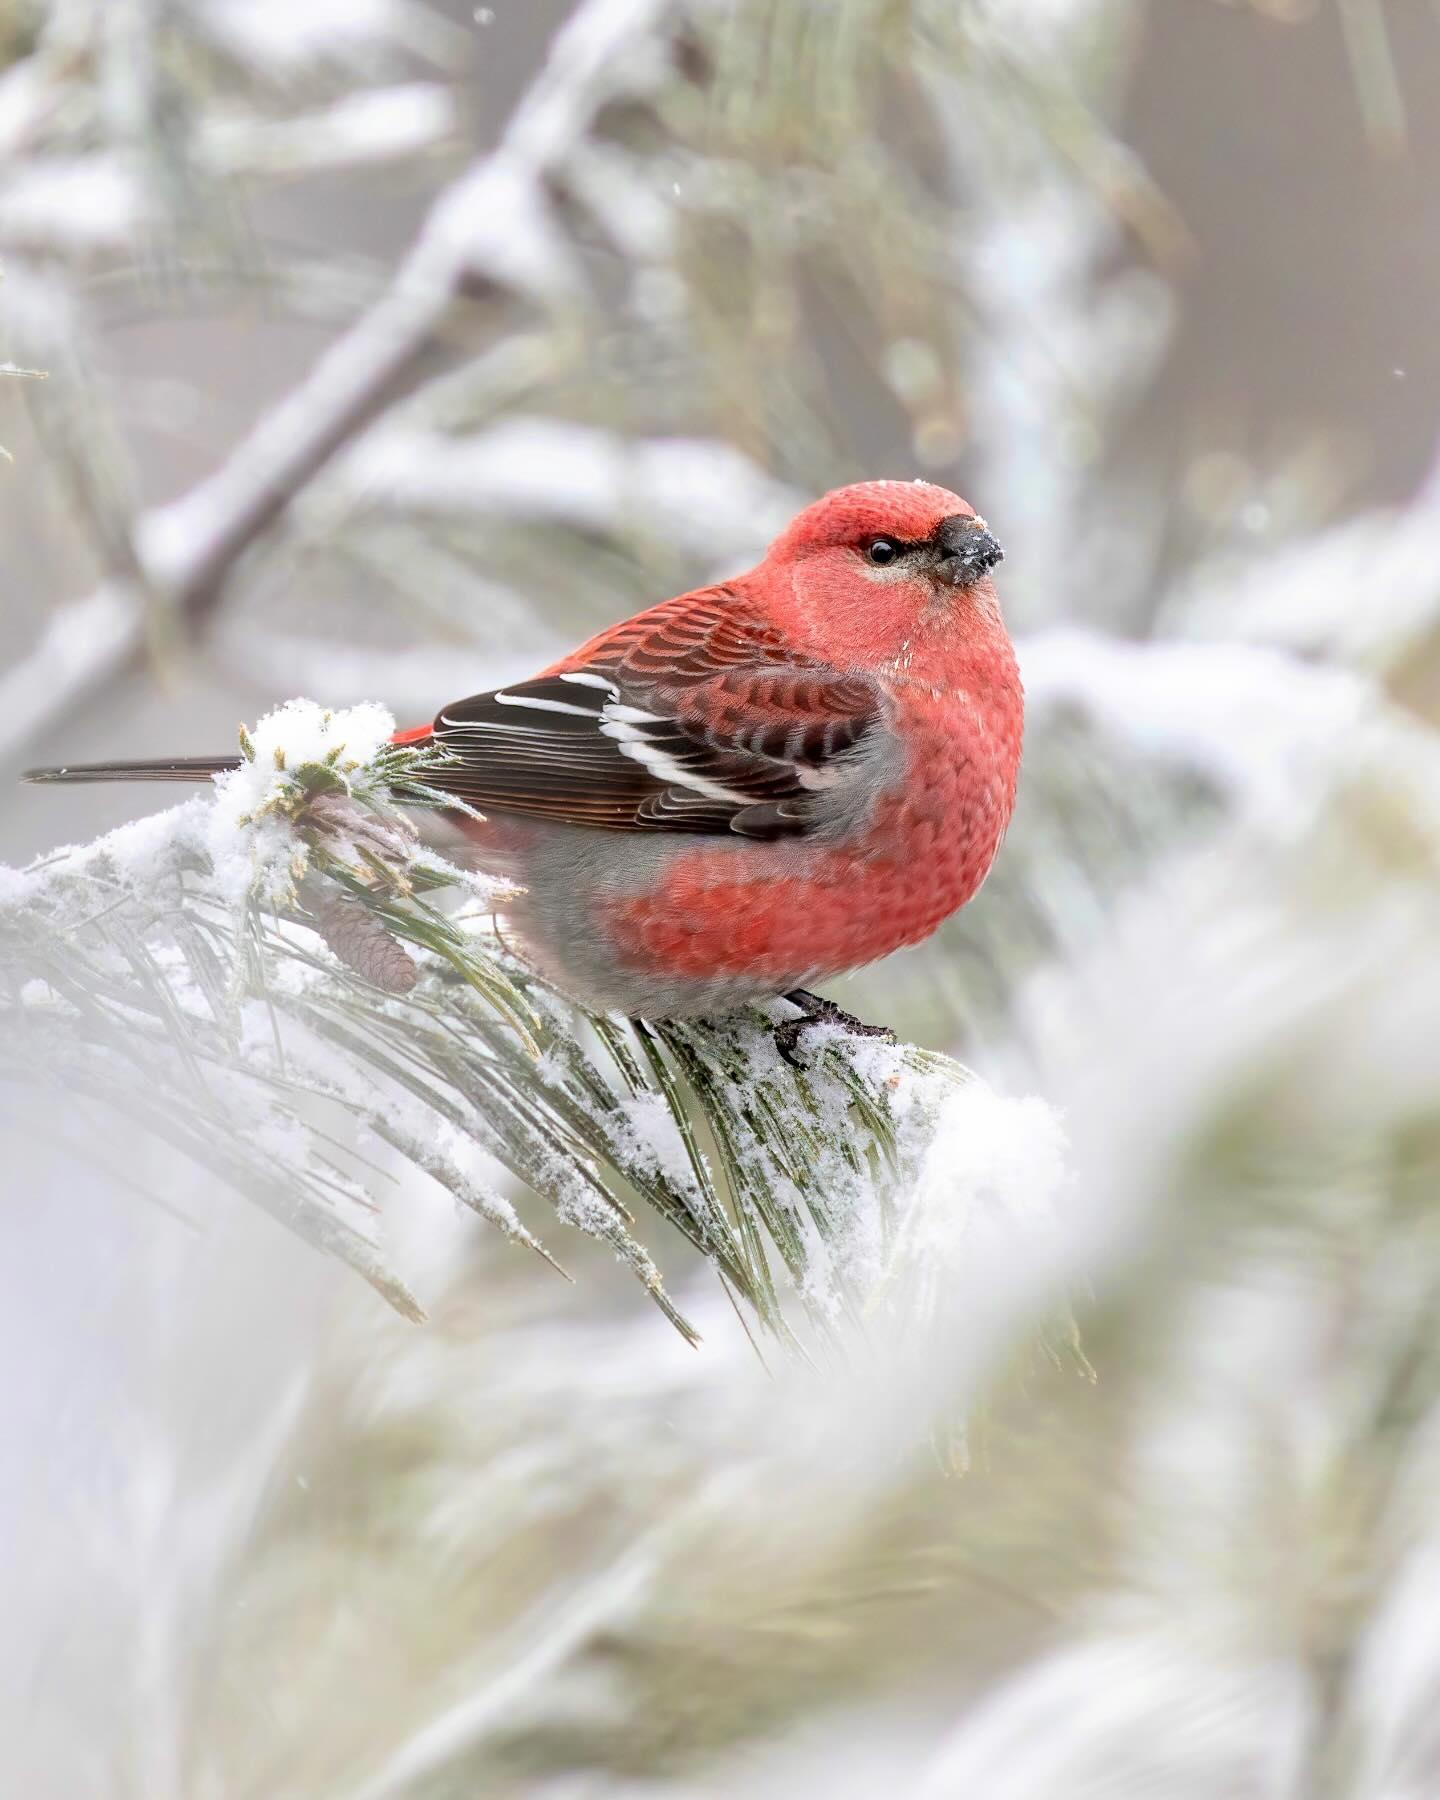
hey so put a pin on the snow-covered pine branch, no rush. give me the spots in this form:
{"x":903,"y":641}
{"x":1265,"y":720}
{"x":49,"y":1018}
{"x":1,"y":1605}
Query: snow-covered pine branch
{"x":285,"y":982}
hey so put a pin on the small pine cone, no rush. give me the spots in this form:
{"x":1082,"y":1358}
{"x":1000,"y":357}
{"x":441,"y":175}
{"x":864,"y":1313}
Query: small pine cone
{"x":363,"y":944}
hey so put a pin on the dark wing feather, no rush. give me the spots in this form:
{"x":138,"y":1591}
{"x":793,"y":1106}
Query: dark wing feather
{"x":692,"y":717}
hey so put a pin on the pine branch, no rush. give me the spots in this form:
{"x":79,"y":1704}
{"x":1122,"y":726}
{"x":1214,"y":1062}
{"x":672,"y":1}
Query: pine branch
{"x":270,"y":977}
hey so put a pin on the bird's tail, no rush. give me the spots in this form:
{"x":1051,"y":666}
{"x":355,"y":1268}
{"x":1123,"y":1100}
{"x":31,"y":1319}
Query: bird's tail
{"x":167,"y":768}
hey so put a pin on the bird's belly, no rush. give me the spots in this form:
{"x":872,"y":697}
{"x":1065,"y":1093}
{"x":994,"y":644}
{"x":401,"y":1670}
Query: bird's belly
{"x":764,"y":920}
{"x":809,"y":913}
{"x":667,"y":926}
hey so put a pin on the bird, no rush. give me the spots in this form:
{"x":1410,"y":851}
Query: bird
{"x":751,"y":788}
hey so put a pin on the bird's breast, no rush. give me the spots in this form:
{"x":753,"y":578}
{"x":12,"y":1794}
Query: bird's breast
{"x":947,"y":812}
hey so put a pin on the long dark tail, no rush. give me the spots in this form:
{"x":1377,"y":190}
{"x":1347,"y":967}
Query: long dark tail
{"x":169,"y":768}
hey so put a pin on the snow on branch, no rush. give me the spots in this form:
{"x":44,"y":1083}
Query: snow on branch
{"x":491,"y":238}
{"x":284,"y":982}
{"x":707,"y":496}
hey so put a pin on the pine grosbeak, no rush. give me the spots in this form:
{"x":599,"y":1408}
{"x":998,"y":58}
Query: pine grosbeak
{"x":754,"y":786}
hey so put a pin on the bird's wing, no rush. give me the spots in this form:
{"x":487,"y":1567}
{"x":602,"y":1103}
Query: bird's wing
{"x":692,"y":717}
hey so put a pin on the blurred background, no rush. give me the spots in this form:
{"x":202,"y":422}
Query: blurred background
{"x":376,"y":350}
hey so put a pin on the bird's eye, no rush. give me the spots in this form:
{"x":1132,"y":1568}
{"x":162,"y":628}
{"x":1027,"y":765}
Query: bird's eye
{"x":882,"y":550}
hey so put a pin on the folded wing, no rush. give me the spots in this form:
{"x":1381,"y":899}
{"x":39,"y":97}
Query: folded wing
{"x":692,"y":717}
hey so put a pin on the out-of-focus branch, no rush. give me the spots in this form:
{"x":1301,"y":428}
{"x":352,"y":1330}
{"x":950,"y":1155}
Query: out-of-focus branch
{"x":488,"y":241}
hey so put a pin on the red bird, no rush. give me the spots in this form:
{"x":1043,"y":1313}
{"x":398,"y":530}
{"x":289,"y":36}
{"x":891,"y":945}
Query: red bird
{"x":754,"y":786}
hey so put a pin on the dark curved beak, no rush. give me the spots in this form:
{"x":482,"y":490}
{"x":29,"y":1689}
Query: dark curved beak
{"x":967,"y":550}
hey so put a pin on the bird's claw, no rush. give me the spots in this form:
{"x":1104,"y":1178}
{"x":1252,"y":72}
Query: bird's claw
{"x":815,"y":1009}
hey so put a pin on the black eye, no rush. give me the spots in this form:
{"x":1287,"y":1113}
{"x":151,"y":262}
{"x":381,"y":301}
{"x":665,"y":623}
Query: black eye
{"x":882,"y":551}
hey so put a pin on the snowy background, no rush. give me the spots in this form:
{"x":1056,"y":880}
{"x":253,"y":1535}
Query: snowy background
{"x":388,"y":347}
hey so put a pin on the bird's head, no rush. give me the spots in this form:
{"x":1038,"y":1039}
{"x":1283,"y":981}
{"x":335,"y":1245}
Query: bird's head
{"x":876,"y":565}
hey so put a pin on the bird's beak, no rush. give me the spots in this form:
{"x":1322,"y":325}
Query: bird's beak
{"x":968,"y":550}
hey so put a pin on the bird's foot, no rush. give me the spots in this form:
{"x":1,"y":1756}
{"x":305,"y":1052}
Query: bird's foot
{"x":815,"y":1009}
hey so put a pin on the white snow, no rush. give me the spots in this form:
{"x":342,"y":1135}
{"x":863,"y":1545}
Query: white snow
{"x":380,"y":125}
{"x":704,"y":496}
{"x":655,"y":1140}
{"x":286,"y":37}
{"x":982,"y":1173}
{"x":74,"y":204}
{"x":251,"y":844}
{"x":1256,"y":721}
{"x":1360,"y":594}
